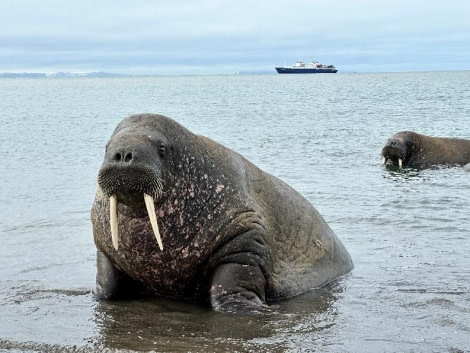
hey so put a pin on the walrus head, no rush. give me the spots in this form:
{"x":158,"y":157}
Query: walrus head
{"x":134,"y":172}
{"x":400,"y":148}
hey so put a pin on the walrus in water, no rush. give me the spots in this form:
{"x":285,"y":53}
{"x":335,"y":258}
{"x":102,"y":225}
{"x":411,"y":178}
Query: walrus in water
{"x":410,"y":149}
{"x":179,"y":215}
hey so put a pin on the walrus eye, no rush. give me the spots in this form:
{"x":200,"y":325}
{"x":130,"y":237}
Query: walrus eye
{"x":162,"y":150}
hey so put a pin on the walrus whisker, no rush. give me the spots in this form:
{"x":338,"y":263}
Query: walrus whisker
{"x":113,"y":218}
{"x":153,"y":218}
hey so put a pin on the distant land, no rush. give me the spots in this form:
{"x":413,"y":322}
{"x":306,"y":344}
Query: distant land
{"x":58,"y":74}
{"x":63,"y":74}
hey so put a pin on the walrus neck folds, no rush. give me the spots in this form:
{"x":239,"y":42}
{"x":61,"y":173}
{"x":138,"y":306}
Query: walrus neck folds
{"x":113,"y":218}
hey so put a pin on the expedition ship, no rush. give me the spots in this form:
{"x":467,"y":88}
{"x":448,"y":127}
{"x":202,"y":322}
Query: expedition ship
{"x":313,"y":67}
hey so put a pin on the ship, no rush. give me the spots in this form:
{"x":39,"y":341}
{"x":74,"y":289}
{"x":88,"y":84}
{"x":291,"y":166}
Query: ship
{"x":313,"y":67}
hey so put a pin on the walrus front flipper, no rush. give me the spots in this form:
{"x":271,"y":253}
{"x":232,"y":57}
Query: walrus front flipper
{"x":111,"y":283}
{"x":239,"y":277}
{"x":238,"y":289}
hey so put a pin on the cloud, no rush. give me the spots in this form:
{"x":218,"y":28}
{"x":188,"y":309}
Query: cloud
{"x":217,"y":37}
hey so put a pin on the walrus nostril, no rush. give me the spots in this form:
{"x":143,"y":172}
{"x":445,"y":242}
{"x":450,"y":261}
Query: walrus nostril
{"x":117,"y":157}
{"x":123,"y":157}
{"x":128,"y":157}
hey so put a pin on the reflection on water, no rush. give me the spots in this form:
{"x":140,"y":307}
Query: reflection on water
{"x":399,"y":175}
{"x":171,"y":326}
{"x":412,"y":174}
{"x":162,"y":324}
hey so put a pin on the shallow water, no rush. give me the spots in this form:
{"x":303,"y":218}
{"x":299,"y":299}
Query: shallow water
{"x":407,"y":230}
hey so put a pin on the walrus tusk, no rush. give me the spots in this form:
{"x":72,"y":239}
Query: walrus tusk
{"x":384,"y":160}
{"x":113,"y":218}
{"x":400,"y":162}
{"x":153,"y":218}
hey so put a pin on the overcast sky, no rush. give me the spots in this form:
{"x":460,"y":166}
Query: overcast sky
{"x":223,"y":37}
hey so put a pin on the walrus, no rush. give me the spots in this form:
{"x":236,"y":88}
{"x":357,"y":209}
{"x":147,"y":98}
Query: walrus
{"x":410,"y":149}
{"x":178,"y":215}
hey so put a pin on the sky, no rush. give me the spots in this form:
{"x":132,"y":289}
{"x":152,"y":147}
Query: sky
{"x":164,"y":37}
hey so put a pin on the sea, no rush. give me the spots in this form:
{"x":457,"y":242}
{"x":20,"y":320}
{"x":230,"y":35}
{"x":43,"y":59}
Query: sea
{"x":407,"y":230}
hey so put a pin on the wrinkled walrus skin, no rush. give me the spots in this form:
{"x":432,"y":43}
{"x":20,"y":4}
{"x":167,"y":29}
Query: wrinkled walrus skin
{"x":232,"y":235}
{"x":410,"y":149}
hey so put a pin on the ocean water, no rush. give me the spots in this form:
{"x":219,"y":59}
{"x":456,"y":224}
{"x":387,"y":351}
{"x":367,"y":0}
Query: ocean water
{"x":408,"y":231}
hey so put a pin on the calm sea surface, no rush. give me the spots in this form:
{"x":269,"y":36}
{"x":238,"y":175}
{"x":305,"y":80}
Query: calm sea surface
{"x":408,"y":231}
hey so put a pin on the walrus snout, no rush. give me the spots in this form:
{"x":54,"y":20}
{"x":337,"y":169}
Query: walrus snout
{"x":394,"y":151}
{"x":128,"y":180}
{"x":399,"y":148}
{"x":131,"y":165}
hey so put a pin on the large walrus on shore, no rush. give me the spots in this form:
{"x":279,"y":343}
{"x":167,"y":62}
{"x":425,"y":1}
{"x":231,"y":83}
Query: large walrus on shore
{"x":179,"y":215}
{"x":410,"y":149}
